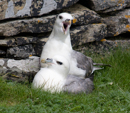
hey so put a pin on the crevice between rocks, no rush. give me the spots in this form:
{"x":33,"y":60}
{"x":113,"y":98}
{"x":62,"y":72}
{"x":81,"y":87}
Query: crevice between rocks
{"x":26,"y":18}
{"x":123,"y":36}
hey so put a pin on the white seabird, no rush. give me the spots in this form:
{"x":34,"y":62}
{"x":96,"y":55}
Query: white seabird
{"x":59,"y":43}
{"x":54,"y":78}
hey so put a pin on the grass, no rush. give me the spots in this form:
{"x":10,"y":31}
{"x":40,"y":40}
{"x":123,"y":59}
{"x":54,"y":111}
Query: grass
{"x":111,"y":94}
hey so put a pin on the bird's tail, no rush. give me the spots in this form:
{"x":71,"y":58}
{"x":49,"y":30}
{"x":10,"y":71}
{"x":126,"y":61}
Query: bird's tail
{"x":99,"y":68}
{"x":96,"y":68}
{"x":101,"y":64}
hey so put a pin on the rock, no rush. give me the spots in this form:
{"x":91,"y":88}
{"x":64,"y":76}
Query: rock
{"x":16,"y":41}
{"x":16,"y":75}
{"x":35,"y":25}
{"x":2,"y":62}
{"x":27,"y":65}
{"x":30,"y":8}
{"x":21,"y":51}
{"x":118,"y":24}
{"x":105,"y":6}
{"x":45,"y":24}
{"x":19,"y":70}
{"x":103,"y":47}
{"x":88,"y":33}
{"x":25,"y":40}
{"x":123,"y":43}
{"x":2,"y":52}
{"x":7,"y":42}
{"x":39,"y":46}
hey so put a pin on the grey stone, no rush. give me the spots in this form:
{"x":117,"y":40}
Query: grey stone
{"x":105,"y":6}
{"x":16,"y":41}
{"x":29,"y":8}
{"x":88,"y":33}
{"x":21,"y":51}
{"x":19,"y":70}
{"x":45,"y":24}
{"x":103,"y":47}
{"x":118,"y":24}
{"x":2,"y":52}
{"x":39,"y":46}
{"x":15,"y":74}
{"x":7,"y":42}
{"x":28,"y":65}
{"x":35,"y":25}
{"x":23,"y":40}
{"x":2,"y":62}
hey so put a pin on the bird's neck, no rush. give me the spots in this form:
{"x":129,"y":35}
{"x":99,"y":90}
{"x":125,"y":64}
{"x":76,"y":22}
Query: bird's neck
{"x":60,"y":36}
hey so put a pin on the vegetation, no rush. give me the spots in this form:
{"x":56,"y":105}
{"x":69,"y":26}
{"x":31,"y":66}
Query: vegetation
{"x":111,"y":93}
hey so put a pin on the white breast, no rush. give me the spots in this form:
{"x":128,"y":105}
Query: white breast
{"x":48,"y":80}
{"x":54,"y":47}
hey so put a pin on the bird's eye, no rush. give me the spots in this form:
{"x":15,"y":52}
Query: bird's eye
{"x":60,"y":17}
{"x":58,"y":62}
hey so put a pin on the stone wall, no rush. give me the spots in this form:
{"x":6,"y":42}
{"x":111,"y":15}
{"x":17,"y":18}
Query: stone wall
{"x":26,"y":24}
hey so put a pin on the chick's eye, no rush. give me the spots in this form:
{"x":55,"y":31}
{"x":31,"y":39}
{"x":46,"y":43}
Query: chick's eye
{"x":60,"y":17}
{"x":58,"y":62}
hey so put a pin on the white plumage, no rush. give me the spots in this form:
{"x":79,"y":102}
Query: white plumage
{"x":53,"y":76}
{"x":59,"y":43}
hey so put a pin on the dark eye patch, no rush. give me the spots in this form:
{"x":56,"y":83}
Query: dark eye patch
{"x":60,"y":17}
{"x":58,"y":62}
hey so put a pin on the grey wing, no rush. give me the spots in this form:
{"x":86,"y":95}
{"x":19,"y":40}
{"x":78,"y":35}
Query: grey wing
{"x":76,"y":85}
{"x":84,"y":62}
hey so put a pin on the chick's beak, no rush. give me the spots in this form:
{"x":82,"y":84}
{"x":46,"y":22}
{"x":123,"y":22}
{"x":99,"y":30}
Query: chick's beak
{"x":43,"y":61}
{"x":49,"y":60}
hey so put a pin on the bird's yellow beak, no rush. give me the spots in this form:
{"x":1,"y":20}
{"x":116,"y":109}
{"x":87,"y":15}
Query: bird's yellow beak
{"x":43,"y":61}
{"x":74,"y":20}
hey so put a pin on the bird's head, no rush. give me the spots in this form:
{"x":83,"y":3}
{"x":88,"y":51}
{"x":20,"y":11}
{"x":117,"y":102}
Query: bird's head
{"x":63,"y":22}
{"x":58,"y":63}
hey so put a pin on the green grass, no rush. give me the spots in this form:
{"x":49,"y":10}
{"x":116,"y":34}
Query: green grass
{"x":111,"y":93}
